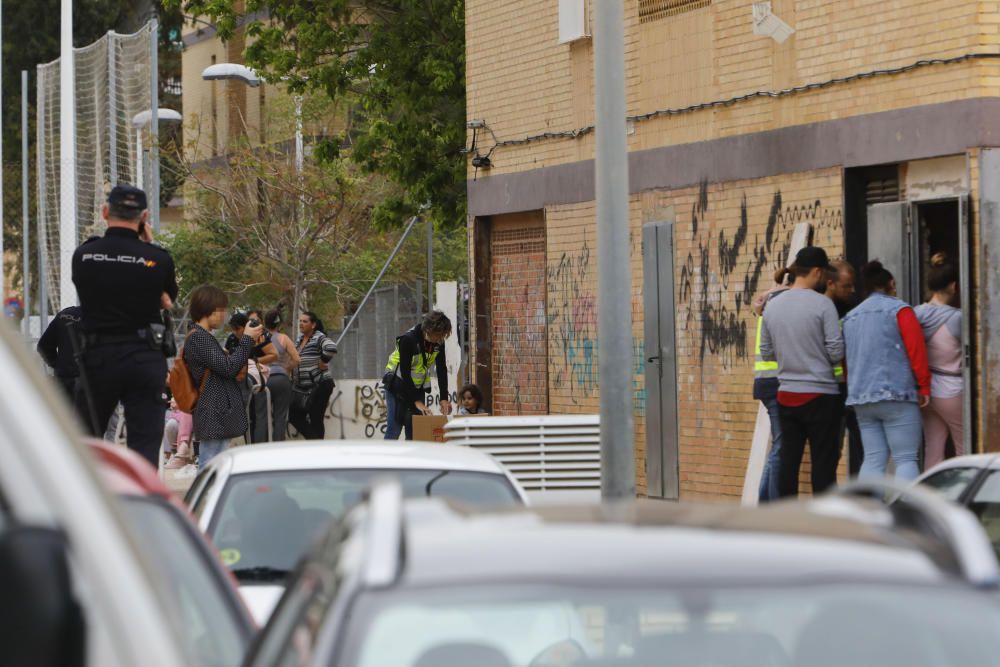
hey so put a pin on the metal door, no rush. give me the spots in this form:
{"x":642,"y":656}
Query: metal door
{"x":661,"y":361}
{"x":892,"y":241}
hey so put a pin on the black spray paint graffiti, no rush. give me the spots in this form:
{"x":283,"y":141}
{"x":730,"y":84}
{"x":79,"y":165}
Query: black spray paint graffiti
{"x":713,"y":309}
{"x":572,"y":320}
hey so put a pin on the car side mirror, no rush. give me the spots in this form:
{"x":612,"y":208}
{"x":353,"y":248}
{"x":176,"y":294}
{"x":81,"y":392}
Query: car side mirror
{"x":41,"y":622}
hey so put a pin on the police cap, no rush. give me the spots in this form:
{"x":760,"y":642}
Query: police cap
{"x":127,"y":200}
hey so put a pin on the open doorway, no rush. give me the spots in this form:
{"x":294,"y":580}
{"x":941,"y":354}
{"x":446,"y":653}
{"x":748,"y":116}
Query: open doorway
{"x":938,"y":231}
{"x":904,"y":236}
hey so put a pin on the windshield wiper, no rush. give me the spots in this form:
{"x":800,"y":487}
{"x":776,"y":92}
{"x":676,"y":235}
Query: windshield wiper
{"x":260,"y":573}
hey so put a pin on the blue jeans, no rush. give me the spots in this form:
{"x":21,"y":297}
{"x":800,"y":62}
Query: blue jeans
{"x":398,"y":418}
{"x":769,"y":479}
{"x":208,"y":450}
{"x":890,"y":427}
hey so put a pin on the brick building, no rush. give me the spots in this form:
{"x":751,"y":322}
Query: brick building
{"x":874,"y":126}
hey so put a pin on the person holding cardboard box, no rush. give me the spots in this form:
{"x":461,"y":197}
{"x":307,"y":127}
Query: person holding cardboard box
{"x":407,"y":376}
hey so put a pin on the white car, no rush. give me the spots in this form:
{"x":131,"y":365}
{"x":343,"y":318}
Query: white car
{"x":262,"y":505}
{"x":972,"y":481}
{"x":77,"y":585}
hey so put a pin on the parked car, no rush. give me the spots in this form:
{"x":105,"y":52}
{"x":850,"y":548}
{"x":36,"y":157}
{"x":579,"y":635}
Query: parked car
{"x":839,"y":580}
{"x":203,"y":594}
{"x":974,"y":482}
{"x":263,"y":505}
{"x":76,"y":589}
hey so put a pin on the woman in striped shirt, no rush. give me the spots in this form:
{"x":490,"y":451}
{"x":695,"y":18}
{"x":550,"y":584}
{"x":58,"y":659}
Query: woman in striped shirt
{"x":313,"y":384}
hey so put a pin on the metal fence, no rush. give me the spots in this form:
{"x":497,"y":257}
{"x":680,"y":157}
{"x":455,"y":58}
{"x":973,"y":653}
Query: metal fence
{"x":366,"y":347}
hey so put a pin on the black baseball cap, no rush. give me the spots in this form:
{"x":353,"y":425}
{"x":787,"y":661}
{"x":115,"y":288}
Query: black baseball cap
{"x":127,"y":198}
{"x":812,"y":257}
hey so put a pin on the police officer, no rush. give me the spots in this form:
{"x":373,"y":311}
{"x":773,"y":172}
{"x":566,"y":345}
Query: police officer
{"x":123,"y":280}
{"x":56,"y":348}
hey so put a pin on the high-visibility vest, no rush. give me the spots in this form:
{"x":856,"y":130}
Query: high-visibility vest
{"x":420,"y":366}
{"x":761,"y":368}
{"x":769,"y":369}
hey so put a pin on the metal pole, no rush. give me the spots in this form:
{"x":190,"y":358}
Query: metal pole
{"x":68,"y":236}
{"x":113,"y":106}
{"x":25,"y":215}
{"x":154,"y":125}
{"x":430,"y":264}
{"x":613,"y":261}
{"x":381,"y":273}
{"x":42,"y":203}
{"x":299,"y":163}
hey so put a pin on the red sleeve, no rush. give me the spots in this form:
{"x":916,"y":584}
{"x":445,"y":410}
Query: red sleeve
{"x":916,"y":348}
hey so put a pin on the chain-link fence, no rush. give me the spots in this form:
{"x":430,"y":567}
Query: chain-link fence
{"x":113,"y":87}
{"x":366,"y":347}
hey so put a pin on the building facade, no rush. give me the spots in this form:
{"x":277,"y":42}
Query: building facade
{"x":873,"y":122}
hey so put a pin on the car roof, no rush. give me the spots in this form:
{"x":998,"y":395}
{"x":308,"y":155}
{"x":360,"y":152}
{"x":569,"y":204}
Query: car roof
{"x":654,"y":541}
{"x":330,"y":454}
{"x":980,"y":461}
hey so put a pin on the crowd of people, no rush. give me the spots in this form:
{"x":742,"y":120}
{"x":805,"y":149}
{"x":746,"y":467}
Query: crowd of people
{"x":888,"y":374}
{"x":252,"y":386}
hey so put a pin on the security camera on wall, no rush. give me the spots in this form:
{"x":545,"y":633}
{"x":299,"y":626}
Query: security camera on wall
{"x":767,"y":24}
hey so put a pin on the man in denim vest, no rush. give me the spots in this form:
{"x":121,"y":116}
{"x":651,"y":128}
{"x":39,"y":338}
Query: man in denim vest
{"x":802,"y":333}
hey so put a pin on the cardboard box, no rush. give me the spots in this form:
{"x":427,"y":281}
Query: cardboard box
{"x":429,"y":428}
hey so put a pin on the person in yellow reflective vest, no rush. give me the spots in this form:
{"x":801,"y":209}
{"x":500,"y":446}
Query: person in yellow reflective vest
{"x":407,"y":378}
{"x":765,"y":390}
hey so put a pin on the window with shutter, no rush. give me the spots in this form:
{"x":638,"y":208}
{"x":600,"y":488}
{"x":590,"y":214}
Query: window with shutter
{"x":653,"y":10}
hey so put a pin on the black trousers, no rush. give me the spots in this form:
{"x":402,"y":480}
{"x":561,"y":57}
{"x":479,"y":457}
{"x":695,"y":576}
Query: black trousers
{"x":818,"y":421}
{"x":134,"y":375}
{"x":309,"y":419}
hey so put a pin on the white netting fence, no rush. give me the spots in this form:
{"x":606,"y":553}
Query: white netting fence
{"x":113,"y":86}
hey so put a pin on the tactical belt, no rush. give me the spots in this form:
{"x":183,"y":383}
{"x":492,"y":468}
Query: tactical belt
{"x":92,"y":339}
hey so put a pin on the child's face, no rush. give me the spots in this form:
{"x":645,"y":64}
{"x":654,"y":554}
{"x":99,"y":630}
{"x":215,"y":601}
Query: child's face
{"x":469,"y":402}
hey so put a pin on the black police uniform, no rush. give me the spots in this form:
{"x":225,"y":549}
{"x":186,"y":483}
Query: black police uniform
{"x":120,"y":281}
{"x":56,"y":348}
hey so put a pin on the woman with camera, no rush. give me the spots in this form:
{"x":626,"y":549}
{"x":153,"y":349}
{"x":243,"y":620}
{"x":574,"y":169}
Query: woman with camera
{"x":219,"y":414}
{"x":281,"y":361}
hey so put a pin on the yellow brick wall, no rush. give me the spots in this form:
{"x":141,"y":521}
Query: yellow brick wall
{"x":521,"y":81}
{"x":730,"y":238}
{"x":571,"y":309}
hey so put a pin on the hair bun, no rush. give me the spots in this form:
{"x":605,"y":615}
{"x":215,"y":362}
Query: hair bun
{"x":939,"y":259}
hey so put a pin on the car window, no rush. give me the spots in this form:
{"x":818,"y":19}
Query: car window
{"x":202,"y":491}
{"x":986,"y":505}
{"x":216,"y":634}
{"x":264,"y":522}
{"x":952,"y":481}
{"x":837,"y":624}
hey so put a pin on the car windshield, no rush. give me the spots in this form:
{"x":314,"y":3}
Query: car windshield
{"x":214,"y":633}
{"x":264,"y":522}
{"x":843,"y":625}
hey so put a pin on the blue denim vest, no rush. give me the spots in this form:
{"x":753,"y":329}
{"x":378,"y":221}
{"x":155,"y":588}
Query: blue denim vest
{"x":878,"y":368}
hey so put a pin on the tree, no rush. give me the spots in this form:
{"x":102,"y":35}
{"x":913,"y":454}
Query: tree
{"x":403,"y":60}
{"x":30,"y":36}
{"x":265,"y":230}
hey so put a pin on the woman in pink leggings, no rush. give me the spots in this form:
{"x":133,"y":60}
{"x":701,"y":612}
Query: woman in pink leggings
{"x":942,"y":324}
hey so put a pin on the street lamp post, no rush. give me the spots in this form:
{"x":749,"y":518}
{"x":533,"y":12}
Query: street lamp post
{"x":244,"y":74}
{"x":145,"y":120}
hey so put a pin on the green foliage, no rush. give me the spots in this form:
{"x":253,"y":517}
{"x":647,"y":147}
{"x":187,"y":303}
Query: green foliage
{"x":403,"y":60}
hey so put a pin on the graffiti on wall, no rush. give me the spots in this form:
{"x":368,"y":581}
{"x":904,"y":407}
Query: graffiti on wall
{"x":357,"y":409}
{"x":714,"y":297}
{"x":572,"y":323}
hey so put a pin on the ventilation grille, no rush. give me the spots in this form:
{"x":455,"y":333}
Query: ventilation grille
{"x":882,"y":191}
{"x":518,"y":241}
{"x":550,"y":454}
{"x":653,"y":10}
